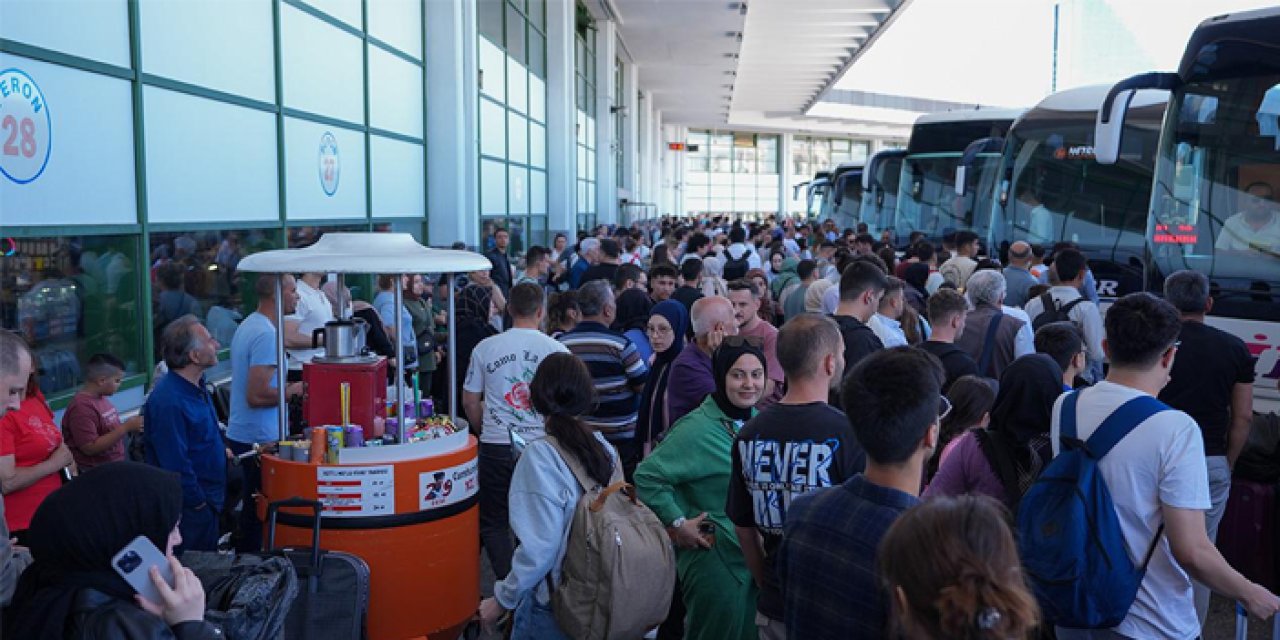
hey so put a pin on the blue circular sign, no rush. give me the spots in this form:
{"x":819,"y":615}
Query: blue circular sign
{"x":26,"y":129}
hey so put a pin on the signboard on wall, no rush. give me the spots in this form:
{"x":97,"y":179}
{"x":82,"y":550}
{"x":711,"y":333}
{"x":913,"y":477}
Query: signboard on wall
{"x":26,"y":128}
{"x":330,"y":164}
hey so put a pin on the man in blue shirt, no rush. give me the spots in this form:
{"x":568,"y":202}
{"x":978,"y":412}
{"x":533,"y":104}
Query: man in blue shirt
{"x":588,"y":255}
{"x":182,"y":430}
{"x":254,"y":401}
{"x":827,"y":560}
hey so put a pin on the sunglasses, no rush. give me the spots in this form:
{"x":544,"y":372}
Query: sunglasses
{"x":738,"y":341}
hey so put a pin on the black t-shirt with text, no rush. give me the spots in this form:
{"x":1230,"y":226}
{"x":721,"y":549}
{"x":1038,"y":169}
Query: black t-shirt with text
{"x":1209,"y":363}
{"x":783,"y":452}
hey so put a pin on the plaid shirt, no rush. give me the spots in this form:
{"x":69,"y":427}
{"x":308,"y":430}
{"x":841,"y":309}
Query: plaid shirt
{"x":827,"y":562}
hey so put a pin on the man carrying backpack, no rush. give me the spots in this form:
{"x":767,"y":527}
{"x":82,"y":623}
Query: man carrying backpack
{"x":1064,"y":303}
{"x":1138,"y":468}
{"x":740,"y":257}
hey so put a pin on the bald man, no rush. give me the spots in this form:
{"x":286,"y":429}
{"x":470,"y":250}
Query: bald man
{"x":15,"y":368}
{"x":1018,"y":274}
{"x":691,"y":379}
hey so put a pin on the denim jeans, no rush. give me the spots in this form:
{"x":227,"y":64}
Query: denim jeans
{"x":1219,"y":491}
{"x":535,"y":621}
{"x":496,"y":467}
{"x":199,"y":529}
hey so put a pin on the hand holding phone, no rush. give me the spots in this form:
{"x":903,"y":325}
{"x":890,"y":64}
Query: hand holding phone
{"x":134,"y":563}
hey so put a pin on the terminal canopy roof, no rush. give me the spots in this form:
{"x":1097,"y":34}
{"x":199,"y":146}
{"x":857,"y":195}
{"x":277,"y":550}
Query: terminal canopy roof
{"x":365,"y":253}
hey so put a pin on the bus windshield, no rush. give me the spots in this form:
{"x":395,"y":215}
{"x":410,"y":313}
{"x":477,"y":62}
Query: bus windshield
{"x":1054,"y":190}
{"x":879,"y":201}
{"x":1214,"y":207}
{"x":844,"y":199}
{"x":927,"y":199}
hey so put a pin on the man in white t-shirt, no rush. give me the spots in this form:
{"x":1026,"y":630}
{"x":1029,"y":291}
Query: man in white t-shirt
{"x":314,"y":310}
{"x":495,"y":397}
{"x":1256,"y":227}
{"x":1156,"y":476}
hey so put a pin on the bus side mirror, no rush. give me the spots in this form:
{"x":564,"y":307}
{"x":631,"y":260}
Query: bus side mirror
{"x":1109,"y":125}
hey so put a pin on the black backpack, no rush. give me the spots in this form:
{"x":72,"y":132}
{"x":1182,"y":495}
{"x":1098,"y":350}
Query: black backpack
{"x":736,"y":269}
{"x":1052,"y":312}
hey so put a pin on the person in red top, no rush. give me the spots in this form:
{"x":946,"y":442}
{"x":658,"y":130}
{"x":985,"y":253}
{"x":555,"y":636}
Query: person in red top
{"x":91,"y":424}
{"x":31,"y":456}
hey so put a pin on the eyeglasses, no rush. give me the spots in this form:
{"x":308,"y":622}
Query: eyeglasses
{"x":738,"y":341}
{"x":944,"y":408}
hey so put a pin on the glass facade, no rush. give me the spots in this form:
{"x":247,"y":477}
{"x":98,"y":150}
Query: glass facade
{"x":195,"y":155}
{"x":584,"y":63}
{"x":732,"y":172}
{"x":513,"y":117}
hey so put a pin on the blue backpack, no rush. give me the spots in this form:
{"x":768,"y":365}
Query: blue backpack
{"x":1069,"y":537}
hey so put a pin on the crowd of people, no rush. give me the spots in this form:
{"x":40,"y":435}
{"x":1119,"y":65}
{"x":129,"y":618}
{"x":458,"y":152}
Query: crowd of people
{"x":840,"y":439}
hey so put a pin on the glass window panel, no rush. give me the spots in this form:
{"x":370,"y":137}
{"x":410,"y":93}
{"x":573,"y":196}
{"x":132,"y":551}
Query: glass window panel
{"x":493,"y":128}
{"x":515,"y":35}
{"x":70,"y":298}
{"x":697,"y":177}
{"x":493,"y":187}
{"x":720,"y":204}
{"x":517,"y":138}
{"x":591,"y":164}
{"x":583,"y":207}
{"x":537,"y":54}
{"x":538,"y":145}
{"x":591,"y":196}
{"x":538,"y":193}
{"x":492,"y":65}
{"x":744,"y":160}
{"x":538,"y":231}
{"x":517,"y":86}
{"x":538,"y":14}
{"x":537,"y":98}
{"x":518,"y":190}
{"x":582,"y":162}
{"x":721,"y":178}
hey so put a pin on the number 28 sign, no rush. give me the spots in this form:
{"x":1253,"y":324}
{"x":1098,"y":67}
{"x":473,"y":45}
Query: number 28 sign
{"x":25,"y":127}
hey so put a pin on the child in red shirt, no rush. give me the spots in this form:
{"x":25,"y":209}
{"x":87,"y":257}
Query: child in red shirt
{"x":91,"y":423}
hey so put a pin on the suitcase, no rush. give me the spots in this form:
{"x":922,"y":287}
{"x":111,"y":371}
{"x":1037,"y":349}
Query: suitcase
{"x":248,"y":595}
{"x":333,"y":595}
{"x":1247,"y":535}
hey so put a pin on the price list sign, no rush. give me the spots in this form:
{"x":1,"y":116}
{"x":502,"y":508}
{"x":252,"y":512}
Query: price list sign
{"x":356,"y":491}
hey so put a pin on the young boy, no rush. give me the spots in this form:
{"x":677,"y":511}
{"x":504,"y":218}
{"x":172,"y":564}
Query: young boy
{"x":91,"y":425}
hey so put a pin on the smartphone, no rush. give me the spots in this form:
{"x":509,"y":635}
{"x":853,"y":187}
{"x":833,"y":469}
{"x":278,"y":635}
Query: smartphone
{"x":708,"y":531}
{"x":134,"y":563}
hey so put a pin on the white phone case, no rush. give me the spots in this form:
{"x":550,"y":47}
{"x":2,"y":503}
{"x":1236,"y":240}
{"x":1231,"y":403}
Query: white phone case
{"x":134,"y":563}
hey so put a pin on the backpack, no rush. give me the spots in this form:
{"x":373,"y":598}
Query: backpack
{"x":1052,"y":312}
{"x":619,"y":569}
{"x":1069,"y":537}
{"x":735,"y":269}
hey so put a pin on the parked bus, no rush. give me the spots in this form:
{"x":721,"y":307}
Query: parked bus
{"x":843,"y":199}
{"x":880,"y":188}
{"x":1217,"y":172}
{"x":927,"y":199}
{"x":815,"y":192}
{"x":1050,"y":187}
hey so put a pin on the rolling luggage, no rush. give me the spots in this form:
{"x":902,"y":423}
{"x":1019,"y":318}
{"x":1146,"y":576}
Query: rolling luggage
{"x":333,"y":594}
{"x":1247,"y":536}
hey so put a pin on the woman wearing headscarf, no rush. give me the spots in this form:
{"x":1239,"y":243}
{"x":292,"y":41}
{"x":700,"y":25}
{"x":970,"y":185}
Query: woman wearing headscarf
{"x":712,"y":283}
{"x":632,"y":318}
{"x":474,"y":310}
{"x":814,"y":295}
{"x":685,"y":481}
{"x":916,"y":275}
{"x":1003,"y":460}
{"x":784,"y":278}
{"x":72,"y":591}
{"x":666,"y":329}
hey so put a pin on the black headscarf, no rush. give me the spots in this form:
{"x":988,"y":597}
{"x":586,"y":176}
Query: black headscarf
{"x":634,"y":306}
{"x":1017,"y":441}
{"x":721,"y":362}
{"x":76,"y":531}
{"x":474,"y":304}
{"x":652,"y":418}
{"x":917,"y":274}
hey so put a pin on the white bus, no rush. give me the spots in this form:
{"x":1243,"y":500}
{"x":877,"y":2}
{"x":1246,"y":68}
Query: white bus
{"x":1050,"y":187}
{"x":1219,"y":143}
{"x":927,"y":199}
{"x":843,"y":198}
{"x":880,"y":188}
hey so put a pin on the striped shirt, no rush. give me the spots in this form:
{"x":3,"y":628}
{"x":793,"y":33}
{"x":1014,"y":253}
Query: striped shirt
{"x":616,"y":366}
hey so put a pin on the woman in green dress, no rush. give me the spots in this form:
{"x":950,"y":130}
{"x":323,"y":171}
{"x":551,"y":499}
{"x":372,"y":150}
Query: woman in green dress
{"x":685,"y":481}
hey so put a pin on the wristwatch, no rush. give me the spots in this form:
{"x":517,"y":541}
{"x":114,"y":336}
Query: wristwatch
{"x":678,"y":522}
